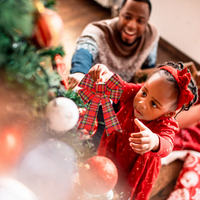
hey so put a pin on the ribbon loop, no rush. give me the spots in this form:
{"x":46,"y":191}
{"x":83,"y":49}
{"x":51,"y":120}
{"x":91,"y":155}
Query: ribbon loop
{"x":96,"y":94}
{"x":88,"y":83}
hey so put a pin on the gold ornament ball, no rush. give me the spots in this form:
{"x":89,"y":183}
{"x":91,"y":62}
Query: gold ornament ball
{"x":48,"y":29}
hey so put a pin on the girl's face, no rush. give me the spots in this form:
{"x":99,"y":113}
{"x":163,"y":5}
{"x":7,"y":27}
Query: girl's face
{"x":155,"y":99}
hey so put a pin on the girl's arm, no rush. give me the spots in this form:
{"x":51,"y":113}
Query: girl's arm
{"x":166,"y":131}
{"x":160,"y":145}
{"x":145,"y":140}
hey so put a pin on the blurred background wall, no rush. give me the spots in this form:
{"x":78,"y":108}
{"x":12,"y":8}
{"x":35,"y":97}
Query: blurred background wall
{"x":179,"y":24}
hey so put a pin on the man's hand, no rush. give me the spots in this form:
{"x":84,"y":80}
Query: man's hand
{"x":100,"y":73}
{"x":145,"y":140}
{"x":74,"y":79}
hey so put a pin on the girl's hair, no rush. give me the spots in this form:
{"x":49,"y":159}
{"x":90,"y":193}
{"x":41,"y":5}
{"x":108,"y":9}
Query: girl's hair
{"x":144,"y":1}
{"x":191,"y":86}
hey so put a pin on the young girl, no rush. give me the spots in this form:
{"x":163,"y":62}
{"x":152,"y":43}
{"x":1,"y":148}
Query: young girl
{"x":146,"y":117}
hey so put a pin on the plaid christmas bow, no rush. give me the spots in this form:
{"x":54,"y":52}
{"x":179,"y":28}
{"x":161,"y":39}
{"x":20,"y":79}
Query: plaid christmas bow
{"x":96,"y":94}
{"x":62,"y":70}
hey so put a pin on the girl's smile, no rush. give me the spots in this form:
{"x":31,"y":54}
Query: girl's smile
{"x":137,"y":111}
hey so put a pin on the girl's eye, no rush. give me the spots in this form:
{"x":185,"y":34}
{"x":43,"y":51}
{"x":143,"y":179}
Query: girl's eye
{"x":144,"y":94}
{"x":153,"y":104}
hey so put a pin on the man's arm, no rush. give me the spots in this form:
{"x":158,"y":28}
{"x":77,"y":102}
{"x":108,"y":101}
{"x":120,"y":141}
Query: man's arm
{"x":82,"y":60}
{"x":84,"y":56}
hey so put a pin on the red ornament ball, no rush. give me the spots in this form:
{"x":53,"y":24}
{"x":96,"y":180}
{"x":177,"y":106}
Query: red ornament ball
{"x":11,"y":147}
{"x":48,"y":29}
{"x":98,"y":175}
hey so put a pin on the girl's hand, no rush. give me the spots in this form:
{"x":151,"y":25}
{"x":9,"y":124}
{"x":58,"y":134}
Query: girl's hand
{"x":145,"y":140}
{"x":100,"y":73}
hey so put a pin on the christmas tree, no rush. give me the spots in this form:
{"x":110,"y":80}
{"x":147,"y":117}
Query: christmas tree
{"x":32,"y":87}
{"x":21,"y":59}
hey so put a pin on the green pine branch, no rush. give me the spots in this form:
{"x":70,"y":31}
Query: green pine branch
{"x":21,"y":59}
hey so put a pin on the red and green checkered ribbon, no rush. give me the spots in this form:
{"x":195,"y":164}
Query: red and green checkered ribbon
{"x":94,"y":94}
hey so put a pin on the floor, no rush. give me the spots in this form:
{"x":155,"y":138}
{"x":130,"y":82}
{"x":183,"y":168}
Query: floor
{"x":76,"y":14}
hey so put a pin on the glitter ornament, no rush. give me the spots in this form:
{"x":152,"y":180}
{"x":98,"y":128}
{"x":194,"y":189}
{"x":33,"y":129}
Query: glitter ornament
{"x":48,"y":27}
{"x":98,"y":175}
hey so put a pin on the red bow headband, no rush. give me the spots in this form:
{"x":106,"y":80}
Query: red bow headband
{"x":182,"y":78}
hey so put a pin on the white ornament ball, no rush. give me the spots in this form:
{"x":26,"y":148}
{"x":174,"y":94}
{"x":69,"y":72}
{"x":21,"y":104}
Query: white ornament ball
{"x":11,"y":189}
{"x":48,"y":170}
{"x":61,"y":114}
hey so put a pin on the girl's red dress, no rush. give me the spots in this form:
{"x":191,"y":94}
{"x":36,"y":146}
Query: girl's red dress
{"x":137,"y":173}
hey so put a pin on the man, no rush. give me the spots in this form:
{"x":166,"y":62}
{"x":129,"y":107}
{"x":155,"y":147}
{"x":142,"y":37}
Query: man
{"x":124,"y":44}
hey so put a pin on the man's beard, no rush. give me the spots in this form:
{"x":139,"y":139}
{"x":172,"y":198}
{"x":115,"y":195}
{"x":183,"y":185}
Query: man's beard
{"x":126,"y":42}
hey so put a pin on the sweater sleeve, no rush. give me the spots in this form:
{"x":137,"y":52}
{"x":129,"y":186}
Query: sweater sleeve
{"x":166,"y":130}
{"x":84,"y":56}
{"x":81,"y":61}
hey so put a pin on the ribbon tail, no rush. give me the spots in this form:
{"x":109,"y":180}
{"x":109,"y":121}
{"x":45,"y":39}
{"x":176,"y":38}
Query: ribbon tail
{"x":110,"y":118}
{"x":90,"y":116}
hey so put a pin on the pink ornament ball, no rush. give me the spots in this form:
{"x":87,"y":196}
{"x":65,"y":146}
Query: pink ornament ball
{"x":98,"y":175}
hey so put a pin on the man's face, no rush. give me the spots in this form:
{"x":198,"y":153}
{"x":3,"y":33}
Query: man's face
{"x":133,"y":18}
